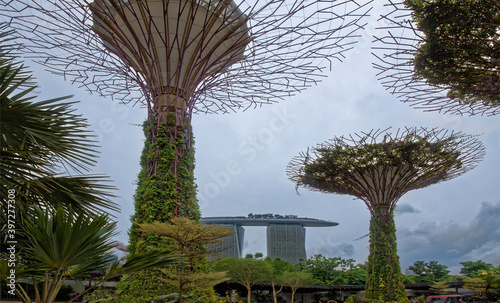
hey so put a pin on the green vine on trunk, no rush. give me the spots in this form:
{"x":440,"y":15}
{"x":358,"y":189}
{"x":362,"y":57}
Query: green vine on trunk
{"x":384,"y":281}
{"x":165,"y":186}
{"x":165,"y":189}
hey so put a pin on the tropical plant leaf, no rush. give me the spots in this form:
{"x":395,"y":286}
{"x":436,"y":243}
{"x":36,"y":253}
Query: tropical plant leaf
{"x":40,"y":139}
{"x":62,"y":239}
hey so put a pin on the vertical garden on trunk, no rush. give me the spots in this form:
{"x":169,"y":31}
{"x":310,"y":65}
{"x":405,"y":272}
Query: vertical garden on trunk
{"x":165,"y":190}
{"x":163,"y":193}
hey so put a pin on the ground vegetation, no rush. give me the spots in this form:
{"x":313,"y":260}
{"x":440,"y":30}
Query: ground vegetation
{"x":246,"y":271}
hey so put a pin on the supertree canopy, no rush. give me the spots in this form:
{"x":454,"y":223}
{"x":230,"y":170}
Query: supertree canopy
{"x":220,"y":55}
{"x":379,"y":168}
{"x":442,"y":55}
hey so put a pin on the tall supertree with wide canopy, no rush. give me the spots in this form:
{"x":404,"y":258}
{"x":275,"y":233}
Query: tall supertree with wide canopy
{"x":442,"y":55}
{"x":179,"y":57}
{"x":378,"y":168}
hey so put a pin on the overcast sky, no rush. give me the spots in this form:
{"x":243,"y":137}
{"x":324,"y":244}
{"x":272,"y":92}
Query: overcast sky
{"x":241,"y":161}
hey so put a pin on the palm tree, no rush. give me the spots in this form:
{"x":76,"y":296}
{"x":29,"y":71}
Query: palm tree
{"x":69,"y":244}
{"x":39,"y":139}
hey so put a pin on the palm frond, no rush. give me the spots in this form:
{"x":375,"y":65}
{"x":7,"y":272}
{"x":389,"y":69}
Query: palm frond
{"x":39,"y":139}
{"x":84,"y":193}
{"x":59,"y":240}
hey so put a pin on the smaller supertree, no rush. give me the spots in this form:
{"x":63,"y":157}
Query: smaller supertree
{"x":379,"y":168}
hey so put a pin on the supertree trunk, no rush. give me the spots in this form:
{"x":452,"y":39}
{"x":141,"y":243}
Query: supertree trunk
{"x":165,"y":186}
{"x":179,"y":57}
{"x":384,"y":278}
{"x":165,"y":190}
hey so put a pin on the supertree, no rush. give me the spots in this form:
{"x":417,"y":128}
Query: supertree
{"x":179,"y":57}
{"x":442,"y":55}
{"x":378,"y":168}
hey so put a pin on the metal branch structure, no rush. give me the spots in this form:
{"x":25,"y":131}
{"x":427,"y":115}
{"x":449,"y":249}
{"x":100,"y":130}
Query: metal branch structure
{"x":232,"y":56}
{"x":179,"y":57}
{"x":378,"y":168}
{"x":442,"y":55}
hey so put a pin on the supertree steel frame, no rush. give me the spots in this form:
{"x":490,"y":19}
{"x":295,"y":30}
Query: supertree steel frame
{"x":179,"y":57}
{"x":378,"y":168}
{"x":233,"y":56}
{"x":455,"y":44}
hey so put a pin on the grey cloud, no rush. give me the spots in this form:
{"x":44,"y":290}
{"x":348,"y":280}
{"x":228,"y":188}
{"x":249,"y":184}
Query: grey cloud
{"x":456,"y":241}
{"x":343,"y":250}
{"x":406,"y":209}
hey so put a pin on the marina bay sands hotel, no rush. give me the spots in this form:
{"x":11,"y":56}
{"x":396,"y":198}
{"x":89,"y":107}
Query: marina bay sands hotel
{"x":286,"y":235}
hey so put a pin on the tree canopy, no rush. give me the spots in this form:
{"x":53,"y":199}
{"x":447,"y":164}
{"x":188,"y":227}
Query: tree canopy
{"x":336,"y":271}
{"x":429,"y":271}
{"x":473,"y":268}
{"x":278,"y":269}
{"x":296,"y":279}
{"x":246,"y":271}
{"x":188,"y":238}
